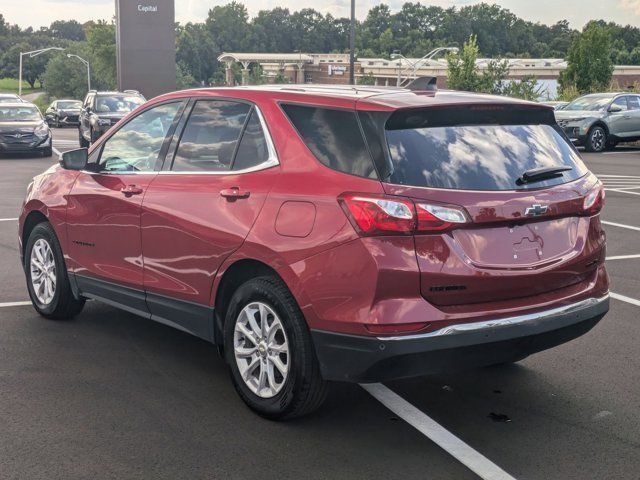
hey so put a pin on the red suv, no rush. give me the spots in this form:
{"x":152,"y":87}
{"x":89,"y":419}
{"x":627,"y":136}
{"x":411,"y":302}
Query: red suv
{"x":327,"y":233}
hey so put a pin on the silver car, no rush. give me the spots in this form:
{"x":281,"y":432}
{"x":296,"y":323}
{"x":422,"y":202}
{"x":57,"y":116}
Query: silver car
{"x":601,"y":120}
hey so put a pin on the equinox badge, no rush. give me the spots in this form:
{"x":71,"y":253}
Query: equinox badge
{"x":536,"y":210}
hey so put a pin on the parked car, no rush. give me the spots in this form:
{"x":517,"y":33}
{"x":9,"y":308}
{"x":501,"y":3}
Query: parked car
{"x":101,"y":110}
{"x":63,"y":112}
{"x":557,"y":105}
{"x":10,"y":98}
{"x":601,"y":120}
{"x":328,"y":233}
{"x":23,"y":130}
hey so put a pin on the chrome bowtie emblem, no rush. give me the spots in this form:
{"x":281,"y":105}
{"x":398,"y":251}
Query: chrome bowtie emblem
{"x":17,"y":135}
{"x":536,"y":210}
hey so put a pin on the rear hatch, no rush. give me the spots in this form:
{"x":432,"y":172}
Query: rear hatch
{"x":515,"y":189}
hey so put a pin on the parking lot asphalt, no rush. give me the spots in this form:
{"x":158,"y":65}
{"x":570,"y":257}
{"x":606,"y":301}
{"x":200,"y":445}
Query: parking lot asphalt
{"x":111,"y":395}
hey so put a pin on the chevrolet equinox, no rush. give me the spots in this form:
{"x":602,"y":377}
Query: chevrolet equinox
{"x":327,"y":233}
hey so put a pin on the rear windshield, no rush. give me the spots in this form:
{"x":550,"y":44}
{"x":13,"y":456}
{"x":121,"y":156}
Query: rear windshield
{"x":479,"y":157}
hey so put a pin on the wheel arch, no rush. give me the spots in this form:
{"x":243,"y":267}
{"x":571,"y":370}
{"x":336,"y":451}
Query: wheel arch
{"x":33,"y":218}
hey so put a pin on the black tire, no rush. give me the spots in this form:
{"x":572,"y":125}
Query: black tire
{"x":303,"y":390}
{"x":57,"y":122}
{"x":63,"y":304}
{"x":47,"y":152}
{"x":83,"y":143}
{"x":596,"y":139}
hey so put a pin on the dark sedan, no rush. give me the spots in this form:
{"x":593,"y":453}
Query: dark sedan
{"x":23,"y":130}
{"x":63,"y":112}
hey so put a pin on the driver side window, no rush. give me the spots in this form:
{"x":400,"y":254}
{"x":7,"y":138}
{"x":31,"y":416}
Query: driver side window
{"x":136,"y":145}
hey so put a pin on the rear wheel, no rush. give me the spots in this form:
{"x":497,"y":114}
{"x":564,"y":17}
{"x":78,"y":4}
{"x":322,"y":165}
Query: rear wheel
{"x":596,"y":139}
{"x":47,"y":279}
{"x":270,"y":353}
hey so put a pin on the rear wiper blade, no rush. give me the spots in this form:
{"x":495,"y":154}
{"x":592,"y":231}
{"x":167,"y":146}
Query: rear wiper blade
{"x":539,"y":174}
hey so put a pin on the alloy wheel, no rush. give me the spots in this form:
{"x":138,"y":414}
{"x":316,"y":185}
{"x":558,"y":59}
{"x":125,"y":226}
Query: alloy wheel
{"x":43,"y":271}
{"x":597,"y":140}
{"x":261,"y":349}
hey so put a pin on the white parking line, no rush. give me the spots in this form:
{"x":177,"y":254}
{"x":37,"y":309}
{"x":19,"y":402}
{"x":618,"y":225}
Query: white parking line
{"x":14,"y":304}
{"x":621,"y":225}
{"x":622,"y":191}
{"x":56,"y":151}
{"x":475,"y":461}
{"x":8,"y":219}
{"x":622,"y":257}
{"x":624,"y":298}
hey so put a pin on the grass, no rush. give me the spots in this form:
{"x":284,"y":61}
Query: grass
{"x":10,"y":85}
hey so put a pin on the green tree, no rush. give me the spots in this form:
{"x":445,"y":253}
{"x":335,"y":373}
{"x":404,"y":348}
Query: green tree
{"x":590,"y":67}
{"x":464,"y":74}
{"x":64,"y":78}
{"x":229,"y":26}
{"x":67,"y":30}
{"x":196,"y":52}
{"x":101,"y":50}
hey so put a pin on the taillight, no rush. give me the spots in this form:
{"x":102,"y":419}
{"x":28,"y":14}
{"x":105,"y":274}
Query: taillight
{"x":379,"y":215}
{"x":594,"y":201}
{"x":437,"y":217}
{"x":387,"y":215}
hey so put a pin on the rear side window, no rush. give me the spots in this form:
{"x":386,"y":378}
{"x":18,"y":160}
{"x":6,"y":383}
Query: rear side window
{"x":210,"y":136}
{"x":477,"y":156}
{"x":334,"y":137}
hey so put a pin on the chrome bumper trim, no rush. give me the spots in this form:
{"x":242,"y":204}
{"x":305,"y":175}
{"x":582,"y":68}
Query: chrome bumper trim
{"x":528,"y":319}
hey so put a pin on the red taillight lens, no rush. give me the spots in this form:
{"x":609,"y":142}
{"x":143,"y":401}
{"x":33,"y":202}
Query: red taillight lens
{"x":435,"y":218}
{"x":594,"y":201}
{"x":379,"y":215}
{"x":387,"y":215}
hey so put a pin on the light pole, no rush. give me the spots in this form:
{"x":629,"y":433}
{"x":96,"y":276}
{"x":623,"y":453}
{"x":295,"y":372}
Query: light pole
{"x":32,"y":53}
{"x":72,"y":55}
{"x":415,"y":65}
{"x":352,"y":43}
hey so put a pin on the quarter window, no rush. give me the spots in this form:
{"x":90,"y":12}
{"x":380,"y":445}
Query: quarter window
{"x":210,"y":137}
{"x":334,"y":137}
{"x":136,"y":145}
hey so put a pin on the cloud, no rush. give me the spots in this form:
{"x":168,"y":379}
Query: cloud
{"x":631,"y":5}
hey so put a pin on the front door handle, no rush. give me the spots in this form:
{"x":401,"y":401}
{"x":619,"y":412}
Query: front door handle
{"x":130,"y":190}
{"x":234,"y":193}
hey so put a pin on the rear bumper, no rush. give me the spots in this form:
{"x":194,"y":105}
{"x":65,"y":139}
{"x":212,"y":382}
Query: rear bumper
{"x":354,"y":358}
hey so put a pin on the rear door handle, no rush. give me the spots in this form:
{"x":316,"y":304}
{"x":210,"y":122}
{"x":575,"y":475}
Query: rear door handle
{"x":234,"y":193}
{"x":130,"y":190}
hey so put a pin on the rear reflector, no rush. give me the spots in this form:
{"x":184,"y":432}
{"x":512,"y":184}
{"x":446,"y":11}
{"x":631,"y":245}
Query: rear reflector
{"x":391,"y":328}
{"x":373,"y":215}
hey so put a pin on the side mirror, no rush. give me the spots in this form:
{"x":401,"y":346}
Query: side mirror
{"x":75,"y":159}
{"x":614,"y":108}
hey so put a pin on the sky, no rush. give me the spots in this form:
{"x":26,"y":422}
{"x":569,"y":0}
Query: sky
{"x":37,"y":13}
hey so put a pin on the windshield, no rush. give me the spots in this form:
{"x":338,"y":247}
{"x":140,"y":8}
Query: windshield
{"x":589,"y":103}
{"x":479,"y":157}
{"x":69,"y":104}
{"x":117,"y":103}
{"x":19,"y":114}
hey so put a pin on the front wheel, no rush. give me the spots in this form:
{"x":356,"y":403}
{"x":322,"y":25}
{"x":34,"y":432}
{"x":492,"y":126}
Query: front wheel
{"x":47,"y":279}
{"x":270,"y":352}
{"x":596,"y":139}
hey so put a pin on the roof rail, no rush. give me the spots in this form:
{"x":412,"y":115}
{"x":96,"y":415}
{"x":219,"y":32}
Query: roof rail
{"x":92,"y":90}
{"x":131,"y":91}
{"x":424,"y":84}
